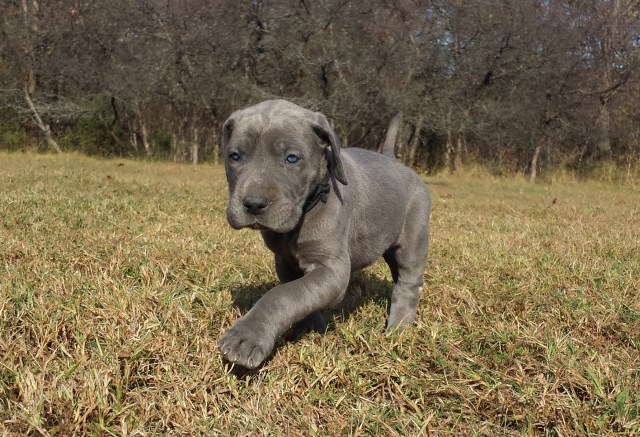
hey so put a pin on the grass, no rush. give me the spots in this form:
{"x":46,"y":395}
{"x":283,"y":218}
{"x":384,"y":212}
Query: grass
{"x":118,"y":277}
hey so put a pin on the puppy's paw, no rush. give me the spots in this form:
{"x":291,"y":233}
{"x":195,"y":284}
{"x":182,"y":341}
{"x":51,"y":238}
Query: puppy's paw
{"x":245,"y":346}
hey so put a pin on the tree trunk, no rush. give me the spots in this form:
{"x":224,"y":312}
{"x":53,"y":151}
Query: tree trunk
{"x":134,"y":139}
{"x":399,"y":140}
{"x":145,"y":137}
{"x":534,"y":164}
{"x":194,"y":145}
{"x":143,"y":128}
{"x":401,"y":144}
{"x":174,"y":147}
{"x":415,"y":142}
{"x":216,"y":148}
{"x":604,"y":127}
{"x":44,"y":127}
{"x":30,"y":79}
{"x":608,"y":50}
{"x":448,"y":151}
{"x":457,"y":160}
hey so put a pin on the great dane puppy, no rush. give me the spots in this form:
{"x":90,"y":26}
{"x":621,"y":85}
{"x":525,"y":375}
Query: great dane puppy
{"x":324,"y":212}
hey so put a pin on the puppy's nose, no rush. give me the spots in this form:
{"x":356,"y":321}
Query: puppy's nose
{"x":255,"y":204}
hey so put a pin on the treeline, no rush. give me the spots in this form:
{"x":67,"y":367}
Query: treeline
{"x":521,"y":86}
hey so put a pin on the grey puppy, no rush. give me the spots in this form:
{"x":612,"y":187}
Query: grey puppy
{"x":324,"y":212}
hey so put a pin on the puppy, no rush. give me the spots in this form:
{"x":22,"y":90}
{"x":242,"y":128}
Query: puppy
{"x":324,"y":212}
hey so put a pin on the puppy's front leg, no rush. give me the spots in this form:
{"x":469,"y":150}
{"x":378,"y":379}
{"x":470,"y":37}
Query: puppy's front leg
{"x":250,"y":340}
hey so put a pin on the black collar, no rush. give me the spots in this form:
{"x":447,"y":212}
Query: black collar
{"x":319,"y":194}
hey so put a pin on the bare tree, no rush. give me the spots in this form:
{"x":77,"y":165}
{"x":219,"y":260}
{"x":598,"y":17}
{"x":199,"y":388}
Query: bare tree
{"x":519,"y":86}
{"x":22,"y":21}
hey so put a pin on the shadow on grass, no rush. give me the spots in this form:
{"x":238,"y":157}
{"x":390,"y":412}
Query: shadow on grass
{"x":364,"y":288}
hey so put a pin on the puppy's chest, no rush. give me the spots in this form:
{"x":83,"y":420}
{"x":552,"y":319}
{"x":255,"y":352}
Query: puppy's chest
{"x":285,"y":245}
{"x":300,"y":252}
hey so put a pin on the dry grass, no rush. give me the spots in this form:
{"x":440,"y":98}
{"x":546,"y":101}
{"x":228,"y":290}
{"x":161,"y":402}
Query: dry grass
{"x":118,"y":277}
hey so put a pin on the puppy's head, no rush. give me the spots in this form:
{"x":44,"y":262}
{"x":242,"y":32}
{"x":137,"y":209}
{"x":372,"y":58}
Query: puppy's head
{"x":276,"y":153}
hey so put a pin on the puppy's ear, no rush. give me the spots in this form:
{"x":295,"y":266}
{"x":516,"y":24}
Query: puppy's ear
{"x":227,"y":129}
{"x":323,"y":130}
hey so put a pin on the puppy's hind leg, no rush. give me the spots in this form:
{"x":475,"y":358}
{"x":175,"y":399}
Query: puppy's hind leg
{"x":408,"y":261}
{"x":405,"y":297}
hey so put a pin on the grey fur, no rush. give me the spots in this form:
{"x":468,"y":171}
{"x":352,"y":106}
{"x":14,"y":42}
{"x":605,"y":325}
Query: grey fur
{"x":376,"y":207}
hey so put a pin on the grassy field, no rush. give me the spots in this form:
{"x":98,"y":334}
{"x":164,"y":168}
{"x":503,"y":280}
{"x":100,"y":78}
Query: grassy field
{"x":118,"y":277}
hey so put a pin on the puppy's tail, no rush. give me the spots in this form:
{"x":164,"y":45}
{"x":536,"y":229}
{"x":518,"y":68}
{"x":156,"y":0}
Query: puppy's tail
{"x":392,"y":132}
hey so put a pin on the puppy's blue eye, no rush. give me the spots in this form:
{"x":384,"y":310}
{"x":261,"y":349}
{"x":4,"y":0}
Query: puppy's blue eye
{"x":235,"y":156}
{"x":292,"y":159}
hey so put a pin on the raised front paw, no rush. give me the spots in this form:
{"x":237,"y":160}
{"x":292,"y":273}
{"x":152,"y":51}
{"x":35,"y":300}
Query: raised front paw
{"x":245,"y":345}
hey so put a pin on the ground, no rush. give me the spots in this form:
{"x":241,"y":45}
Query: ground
{"x":118,"y":277}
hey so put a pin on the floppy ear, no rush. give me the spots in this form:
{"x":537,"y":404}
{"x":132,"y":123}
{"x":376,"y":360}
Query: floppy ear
{"x":227,"y":128}
{"x":328,"y":136}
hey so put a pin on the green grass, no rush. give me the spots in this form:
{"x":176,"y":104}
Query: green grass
{"x":118,"y":277}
